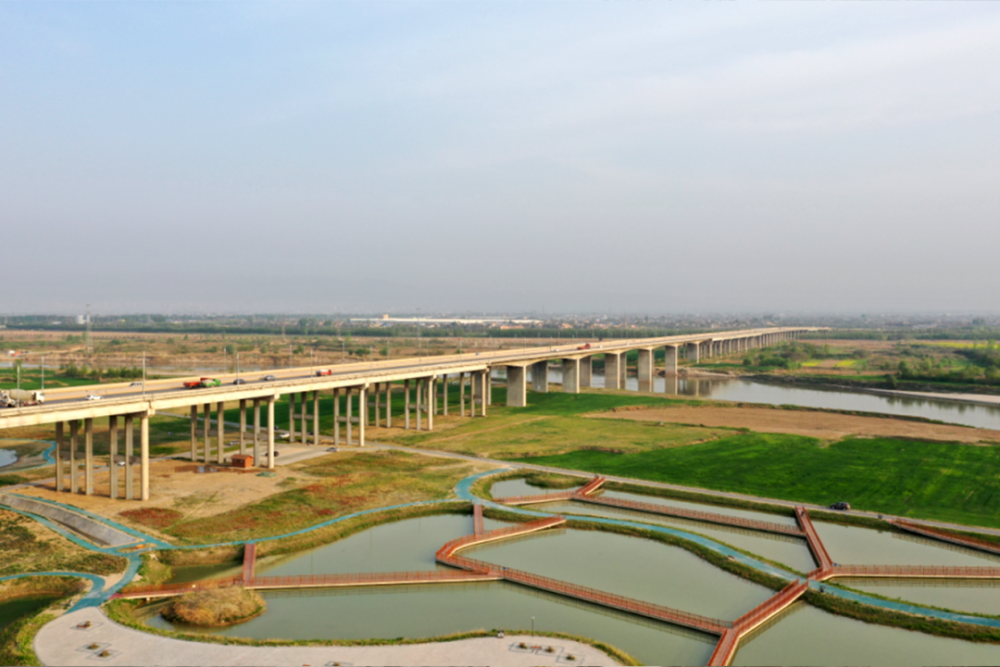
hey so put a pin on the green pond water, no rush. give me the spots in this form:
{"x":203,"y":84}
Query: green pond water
{"x":867,"y":546}
{"x":11,"y":610}
{"x":702,"y":507}
{"x":790,"y":551}
{"x":639,"y":568}
{"x":519,"y":487}
{"x":805,"y":635}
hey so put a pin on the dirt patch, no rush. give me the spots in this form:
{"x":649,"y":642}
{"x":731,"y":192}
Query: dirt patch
{"x":823,"y":425}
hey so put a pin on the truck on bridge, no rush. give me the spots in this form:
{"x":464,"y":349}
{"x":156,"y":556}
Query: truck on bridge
{"x":204,"y":382}
{"x":12,"y":398}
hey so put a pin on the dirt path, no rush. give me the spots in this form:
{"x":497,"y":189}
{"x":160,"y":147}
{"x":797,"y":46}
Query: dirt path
{"x":823,"y":425}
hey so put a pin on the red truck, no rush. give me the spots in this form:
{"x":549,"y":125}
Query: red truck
{"x":584,"y":347}
{"x":325,"y":371}
{"x":204,"y":382}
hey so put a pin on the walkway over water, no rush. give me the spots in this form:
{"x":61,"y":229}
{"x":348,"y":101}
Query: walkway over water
{"x":744,"y":625}
{"x":815,"y":544}
{"x":961,"y":540}
{"x":574,"y":494}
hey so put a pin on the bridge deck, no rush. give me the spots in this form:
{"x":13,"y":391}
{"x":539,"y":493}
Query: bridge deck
{"x":815,"y":544}
{"x":907,"y":572}
{"x":249,"y":561}
{"x":744,"y":625}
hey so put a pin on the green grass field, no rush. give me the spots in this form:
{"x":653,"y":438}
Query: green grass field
{"x":950,"y":482}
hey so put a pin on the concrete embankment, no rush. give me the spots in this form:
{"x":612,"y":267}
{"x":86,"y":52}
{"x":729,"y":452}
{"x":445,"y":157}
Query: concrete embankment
{"x":95,"y":531}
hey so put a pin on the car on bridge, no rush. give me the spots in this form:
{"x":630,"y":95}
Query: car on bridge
{"x":268,"y":378}
{"x":325,"y":371}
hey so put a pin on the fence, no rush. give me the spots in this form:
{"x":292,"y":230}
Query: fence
{"x":916,"y":571}
{"x":963,"y":540}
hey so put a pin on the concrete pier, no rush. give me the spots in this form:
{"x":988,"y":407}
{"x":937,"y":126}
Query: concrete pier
{"x":130,"y":455}
{"x":517,"y":388}
{"x":613,"y":367}
{"x":670,"y":360}
{"x":113,"y":455}
{"x":540,"y":376}
{"x":571,"y":376}
{"x":694,"y":352}
{"x":645,"y":370}
{"x":586,"y":372}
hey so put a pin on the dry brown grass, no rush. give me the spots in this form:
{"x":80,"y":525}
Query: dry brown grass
{"x":216,"y":607}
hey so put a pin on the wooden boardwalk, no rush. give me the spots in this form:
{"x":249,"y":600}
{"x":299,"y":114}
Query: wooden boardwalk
{"x":582,"y":492}
{"x":744,"y":625}
{"x":695,"y":515}
{"x":907,"y":572}
{"x":944,"y":536}
{"x":477,"y":519}
{"x":823,"y":559}
{"x":249,"y":561}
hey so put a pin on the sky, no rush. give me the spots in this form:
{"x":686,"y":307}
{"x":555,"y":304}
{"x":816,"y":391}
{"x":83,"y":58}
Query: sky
{"x":497,"y":156}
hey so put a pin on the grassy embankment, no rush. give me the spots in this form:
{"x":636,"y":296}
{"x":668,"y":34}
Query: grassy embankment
{"x":945,"y":481}
{"x":27,"y":546}
{"x":320,"y":490}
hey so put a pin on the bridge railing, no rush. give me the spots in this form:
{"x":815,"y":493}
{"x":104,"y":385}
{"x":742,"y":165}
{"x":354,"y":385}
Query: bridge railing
{"x":930,"y":571}
{"x":510,"y":531}
{"x":697,"y":515}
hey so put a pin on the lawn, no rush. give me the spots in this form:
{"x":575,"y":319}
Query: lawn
{"x":28,"y":546}
{"x":946,"y":481}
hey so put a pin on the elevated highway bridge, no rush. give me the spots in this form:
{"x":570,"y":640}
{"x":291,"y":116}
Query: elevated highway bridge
{"x":362,"y":385}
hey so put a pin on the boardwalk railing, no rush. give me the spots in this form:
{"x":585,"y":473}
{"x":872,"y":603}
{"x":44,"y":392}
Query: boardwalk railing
{"x":815,"y":544}
{"x":962,"y":540}
{"x":726,"y":648}
{"x":667,"y":510}
{"x":620,"y":602}
{"x":511,"y":531}
{"x":582,"y":492}
{"x":590,"y":487}
{"x":313,"y":581}
{"x":477,"y":519}
{"x":249,"y":560}
{"x":910,"y":571}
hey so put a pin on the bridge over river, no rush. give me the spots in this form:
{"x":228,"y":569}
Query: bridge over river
{"x":364,"y":385}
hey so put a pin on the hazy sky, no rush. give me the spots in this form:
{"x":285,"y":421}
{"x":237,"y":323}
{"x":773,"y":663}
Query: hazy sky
{"x":500,"y":156}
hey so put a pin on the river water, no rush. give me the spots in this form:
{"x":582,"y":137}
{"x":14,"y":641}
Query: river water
{"x":749,"y":391}
{"x":7,"y":457}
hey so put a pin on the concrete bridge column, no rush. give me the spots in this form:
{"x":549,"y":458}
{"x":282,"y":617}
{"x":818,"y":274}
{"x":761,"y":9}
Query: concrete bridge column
{"x":112,"y":455}
{"x":444,"y":394}
{"x":517,"y":389}
{"x":206,"y":420}
{"x":406,"y":404}
{"x":571,"y":376}
{"x":388,"y":405}
{"x":59,"y":457}
{"x":362,"y":417}
{"x":243,"y":426}
{"x":88,"y":456}
{"x":129,"y":453}
{"x":220,"y":428}
{"x":431,"y":396}
{"x":694,"y":352}
{"x":479,"y":381}
{"x":305,"y":412}
{"x":420,"y":403}
{"x":256,"y":432}
{"x":376,"y":398}
{"x":612,"y":370}
{"x":540,"y":376}
{"x":270,"y":431}
{"x":586,"y":372}
{"x":349,"y":393}
{"x":315,"y":420}
{"x":461,"y":394}
{"x":670,"y":360}
{"x":291,"y":418}
{"x":336,"y":417}
{"x":194,"y":433}
{"x":645,"y":370}
{"x":144,"y":455}
{"x":488,"y":375}
{"x":74,"y":482}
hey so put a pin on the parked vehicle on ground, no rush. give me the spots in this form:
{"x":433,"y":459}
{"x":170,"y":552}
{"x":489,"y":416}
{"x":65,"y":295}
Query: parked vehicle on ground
{"x":841,"y":506}
{"x":325,"y":371}
{"x":11,"y":398}
{"x":203,"y":382}
{"x":268,"y":378}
